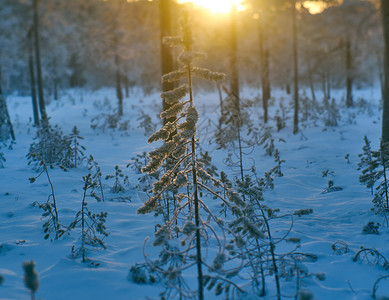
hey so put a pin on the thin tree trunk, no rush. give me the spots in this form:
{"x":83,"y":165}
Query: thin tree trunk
{"x":167,"y":64}
{"x":219,"y":90}
{"x":55,"y":79}
{"x":42,"y":105}
{"x":385,"y":112}
{"x":119,"y":93}
{"x":380,"y":74}
{"x":234,"y":83}
{"x":32,"y":79}
{"x":199,"y":260}
{"x":349,"y":96}
{"x":264,"y":56}
{"x":295,"y":69}
{"x":4,"y":109}
{"x":310,"y":74}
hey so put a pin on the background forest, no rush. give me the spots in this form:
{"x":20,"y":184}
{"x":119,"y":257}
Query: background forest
{"x":84,"y":43}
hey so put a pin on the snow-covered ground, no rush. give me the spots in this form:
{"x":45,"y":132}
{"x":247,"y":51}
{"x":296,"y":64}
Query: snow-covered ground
{"x":337,"y":216}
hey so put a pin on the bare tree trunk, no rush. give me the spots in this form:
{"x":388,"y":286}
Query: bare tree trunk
{"x":295,"y":69}
{"x":349,"y":80}
{"x":119,"y":92}
{"x":234,"y":83}
{"x":5,"y":119}
{"x":32,"y":78}
{"x":42,"y":105}
{"x":55,"y":79}
{"x":380,"y":73}
{"x":265,"y":81}
{"x":199,"y":260}
{"x":385,"y":112}
{"x":310,"y":74}
{"x":167,"y":64}
{"x":219,"y":90}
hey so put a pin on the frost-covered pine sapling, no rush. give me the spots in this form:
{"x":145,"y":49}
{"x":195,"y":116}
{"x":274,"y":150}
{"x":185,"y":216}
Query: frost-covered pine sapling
{"x":260,"y":243}
{"x":96,"y":176}
{"x":230,"y":129}
{"x":192,"y":221}
{"x":52,"y":146}
{"x":118,"y":185}
{"x":90,"y":225}
{"x":145,"y":179}
{"x":50,"y":212}
{"x":77,"y":149}
{"x":376,"y":171}
{"x":368,"y":166}
{"x":31,"y":280}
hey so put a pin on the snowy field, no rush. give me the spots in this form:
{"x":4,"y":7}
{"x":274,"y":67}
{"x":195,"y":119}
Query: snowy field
{"x":337,"y":216}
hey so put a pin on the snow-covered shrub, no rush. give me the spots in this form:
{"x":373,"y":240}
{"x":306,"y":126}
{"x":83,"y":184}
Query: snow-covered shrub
{"x":118,"y":186}
{"x":260,"y":241}
{"x":142,"y":274}
{"x":50,"y":146}
{"x":91,"y":226}
{"x":371,"y":228}
{"x":331,"y":114}
{"x":145,"y":179}
{"x":109,"y":121}
{"x":146,"y":123}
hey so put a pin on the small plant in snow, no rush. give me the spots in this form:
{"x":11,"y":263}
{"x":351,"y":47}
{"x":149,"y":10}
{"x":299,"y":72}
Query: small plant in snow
{"x":371,"y":257}
{"x":367,"y":165}
{"x":260,"y":241}
{"x":376,"y":165}
{"x":331,"y":188}
{"x":90,"y":225}
{"x":145,"y":179}
{"x":77,"y":149}
{"x":96,"y":176}
{"x":118,"y":185}
{"x":109,"y":121}
{"x":141,"y":274}
{"x":340,"y":248}
{"x":146,"y":123}
{"x":50,"y":211}
{"x":371,"y":228}
{"x":31,"y":280}
{"x":51,"y":146}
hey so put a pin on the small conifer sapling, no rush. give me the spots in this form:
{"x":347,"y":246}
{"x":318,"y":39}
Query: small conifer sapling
{"x":91,"y":225}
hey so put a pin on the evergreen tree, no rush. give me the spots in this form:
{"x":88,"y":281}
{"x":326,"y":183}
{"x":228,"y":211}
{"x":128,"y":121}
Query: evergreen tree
{"x":77,"y":149}
{"x":192,"y":221}
{"x":90,"y":225}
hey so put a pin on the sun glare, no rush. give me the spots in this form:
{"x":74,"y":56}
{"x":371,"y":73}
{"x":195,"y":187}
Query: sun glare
{"x":317,"y":7}
{"x":217,"y":6}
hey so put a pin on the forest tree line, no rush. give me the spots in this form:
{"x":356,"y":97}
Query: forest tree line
{"x":89,"y":43}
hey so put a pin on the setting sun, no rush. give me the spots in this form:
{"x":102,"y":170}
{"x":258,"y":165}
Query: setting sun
{"x":217,"y":6}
